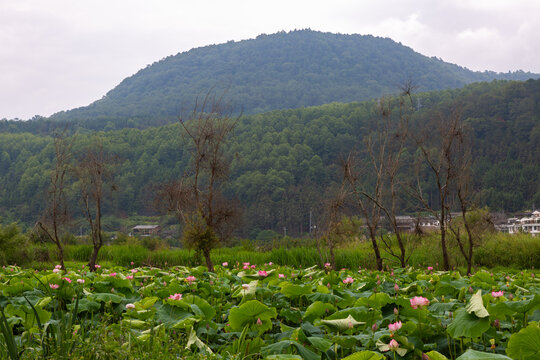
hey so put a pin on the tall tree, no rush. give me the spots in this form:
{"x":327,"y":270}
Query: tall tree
{"x":473,"y":222}
{"x":94,"y":172}
{"x":197,"y":199}
{"x":56,"y":216}
{"x":439,"y":150}
{"x":385,"y":150}
{"x":354,"y":172}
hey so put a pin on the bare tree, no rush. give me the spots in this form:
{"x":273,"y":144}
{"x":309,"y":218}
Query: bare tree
{"x":366,"y":201}
{"x":56,"y":217}
{"x":439,"y":150}
{"x":378,"y":193}
{"x":473,"y":222}
{"x":93,"y":171}
{"x":391,"y":144}
{"x":196,"y":199}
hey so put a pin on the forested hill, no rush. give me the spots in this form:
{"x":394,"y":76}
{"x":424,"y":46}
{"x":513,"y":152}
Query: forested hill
{"x":278,"y":71}
{"x":284,"y":160}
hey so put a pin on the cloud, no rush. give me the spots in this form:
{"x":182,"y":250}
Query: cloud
{"x":61,"y":54}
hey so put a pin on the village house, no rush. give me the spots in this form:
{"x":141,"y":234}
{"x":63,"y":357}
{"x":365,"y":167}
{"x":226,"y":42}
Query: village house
{"x":528,"y":224}
{"x":145,"y":230}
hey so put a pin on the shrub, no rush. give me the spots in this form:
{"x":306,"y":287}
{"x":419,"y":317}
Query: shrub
{"x":13,"y":245}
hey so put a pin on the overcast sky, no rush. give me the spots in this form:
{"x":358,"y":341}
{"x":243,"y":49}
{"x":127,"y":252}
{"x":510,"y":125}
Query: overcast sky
{"x":60,"y":54}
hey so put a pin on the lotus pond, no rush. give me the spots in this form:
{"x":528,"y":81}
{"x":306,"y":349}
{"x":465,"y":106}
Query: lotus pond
{"x":243,"y":311}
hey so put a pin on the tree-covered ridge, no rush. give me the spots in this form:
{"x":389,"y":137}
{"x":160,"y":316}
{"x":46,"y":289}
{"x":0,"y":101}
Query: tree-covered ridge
{"x":278,"y":71}
{"x":284,"y":160}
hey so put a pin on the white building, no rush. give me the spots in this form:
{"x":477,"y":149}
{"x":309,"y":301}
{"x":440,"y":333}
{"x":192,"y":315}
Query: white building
{"x":529,"y":224}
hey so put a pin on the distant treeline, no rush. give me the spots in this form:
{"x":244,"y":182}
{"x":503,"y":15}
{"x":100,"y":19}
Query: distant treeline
{"x":283,"y":161}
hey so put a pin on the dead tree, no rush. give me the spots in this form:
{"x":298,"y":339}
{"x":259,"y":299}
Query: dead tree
{"x":366,"y":201}
{"x":196,"y":199}
{"x":385,"y":153}
{"x":438,"y":149}
{"x":474,"y":223}
{"x":384,"y":149}
{"x":55,"y":217}
{"x":93,"y":171}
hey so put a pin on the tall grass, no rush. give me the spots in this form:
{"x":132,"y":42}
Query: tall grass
{"x":516,"y":251}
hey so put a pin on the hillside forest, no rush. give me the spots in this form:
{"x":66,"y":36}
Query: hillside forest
{"x":284,"y":164}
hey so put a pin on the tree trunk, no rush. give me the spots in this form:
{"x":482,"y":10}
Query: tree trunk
{"x":93,"y":258}
{"x":378,"y":258}
{"x":332,"y":256}
{"x":402,"y":250}
{"x":209,"y":263}
{"x":446,"y":261}
{"x":61,"y":257}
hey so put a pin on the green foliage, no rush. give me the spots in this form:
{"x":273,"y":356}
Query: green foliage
{"x":73,"y":314}
{"x":479,"y":355}
{"x":285,"y":159}
{"x":12,"y":245}
{"x":279,"y":71}
{"x":467,"y":325}
{"x":198,"y":235}
{"x":525,"y":344}
{"x":253,"y":314}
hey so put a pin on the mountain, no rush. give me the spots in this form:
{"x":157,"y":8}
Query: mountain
{"x":284,"y":160}
{"x":285,"y":70}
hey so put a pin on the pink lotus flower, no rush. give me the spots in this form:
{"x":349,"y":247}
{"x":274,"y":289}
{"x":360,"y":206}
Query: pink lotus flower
{"x":430,"y":268}
{"x":54,"y":286}
{"x":67,"y":279}
{"x":97,"y":266}
{"x":263,"y":273}
{"x":259,"y":322}
{"x":327,"y":265}
{"x":176,"y":296}
{"x":497,"y":294}
{"x":80,"y":281}
{"x":225,"y":264}
{"x":132,"y":263}
{"x":190,"y":279}
{"x":253,"y":266}
{"x":246,"y":264}
{"x":395,"y":326}
{"x":393,"y":345}
{"x":58,"y":267}
{"x":246,"y":267}
{"x":348,"y":280}
{"x":396,"y":287}
{"x":55,"y":270}
{"x":130,"y":306}
{"x":419,"y":301}
{"x":245,"y":287}
{"x":112,"y":274}
{"x":134,"y":270}
{"x":129,"y":277}
{"x":281,"y":276}
{"x":270,"y":263}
